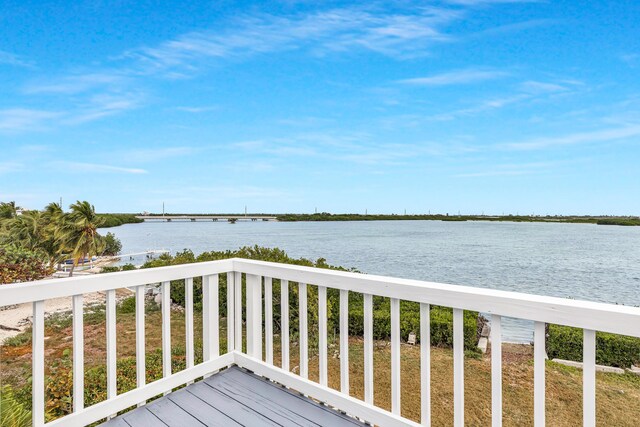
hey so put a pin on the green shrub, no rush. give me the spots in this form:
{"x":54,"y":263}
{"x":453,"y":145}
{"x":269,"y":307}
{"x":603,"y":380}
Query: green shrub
{"x":127,"y":305}
{"x":12,"y":412}
{"x":441,"y":324}
{"x":564,"y":342}
{"x":18,"y":340}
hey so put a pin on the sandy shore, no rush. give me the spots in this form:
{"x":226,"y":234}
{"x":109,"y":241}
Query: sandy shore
{"x":17,"y":319}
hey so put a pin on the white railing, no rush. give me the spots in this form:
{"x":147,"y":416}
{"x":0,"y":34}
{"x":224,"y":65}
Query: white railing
{"x":259,"y":276}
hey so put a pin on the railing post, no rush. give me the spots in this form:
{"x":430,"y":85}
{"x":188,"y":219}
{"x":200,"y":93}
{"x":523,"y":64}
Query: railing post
{"x":322,"y":335}
{"x":254,"y":316}
{"x":112,"y":389}
{"x":395,"y":356}
{"x":304,"y":338}
{"x":589,"y":379}
{"x":368,"y":348}
{"x":496,"y":370}
{"x":188,"y":320}
{"x":166,"y":328}
{"x":425,"y":364}
{"x":231,"y":334}
{"x":78,"y":353}
{"x":237,"y":300}
{"x":141,"y":371}
{"x":37,"y":364}
{"x":268,"y":320}
{"x":210,"y":317}
{"x":539,"y":355}
{"x":284,"y":322}
{"x":458,"y":367}
{"x":344,"y":341}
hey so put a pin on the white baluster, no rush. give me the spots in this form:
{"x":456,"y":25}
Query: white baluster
{"x":37,"y":364}
{"x":539,"y":355}
{"x":368,"y":348}
{"x":141,"y":370}
{"x":78,"y":353}
{"x":322,"y":332}
{"x":268,"y":319}
{"x":254,"y":316}
{"x":395,"y":356}
{"x":458,"y":367}
{"x":344,"y":341}
{"x":112,"y":389}
{"x":425,"y":364}
{"x":210,"y":317}
{"x":302,"y":316}
{"x":589,"y":379}
{"x":496,"y":370}
{"x":238,"y":310}
{"x":231,"y":335}
{"x":188,"y":320}
{"x":284,"y":322}
{"x":166,"y":328}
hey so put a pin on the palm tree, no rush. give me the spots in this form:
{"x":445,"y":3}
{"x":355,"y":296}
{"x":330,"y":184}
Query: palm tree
{"x":26,"y":230}
{"x":80,"y":232}
{"x":8,"y":210}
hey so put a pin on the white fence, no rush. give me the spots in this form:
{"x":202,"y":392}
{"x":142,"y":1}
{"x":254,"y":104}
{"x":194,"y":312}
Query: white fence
{"x":258,"y":357}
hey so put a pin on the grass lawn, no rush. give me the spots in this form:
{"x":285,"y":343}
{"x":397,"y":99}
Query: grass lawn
{"x":618,"y":396}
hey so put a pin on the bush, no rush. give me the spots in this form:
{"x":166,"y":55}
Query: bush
{"x":12,"y":412}
{"x":441,"y":324}
{"x":21,"y":265}
{"x":112,"y":245}
{"x":564,"y":342}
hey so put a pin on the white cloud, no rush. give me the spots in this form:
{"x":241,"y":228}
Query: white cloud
{"x":456,"y":77}
{"x":21,"y":119}
{"x":160,"y":153}
{"x":95,"y":167}
{"x":335,"y":30}
{"x":12,"y":59}
{"x":99,"y":106}
{"x":196,"y":110}
{"x":7,"y":167}
{"x":602,"y":135}
{"x":76,"y":83}
{"x":536,"y":87}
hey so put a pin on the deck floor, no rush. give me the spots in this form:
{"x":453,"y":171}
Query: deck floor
{"x":233,"y":397}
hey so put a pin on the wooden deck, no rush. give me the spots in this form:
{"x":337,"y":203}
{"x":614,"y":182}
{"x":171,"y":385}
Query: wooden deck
{"x":233,"y":397}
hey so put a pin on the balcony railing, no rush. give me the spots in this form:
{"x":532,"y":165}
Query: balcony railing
{"x":258,"y":278}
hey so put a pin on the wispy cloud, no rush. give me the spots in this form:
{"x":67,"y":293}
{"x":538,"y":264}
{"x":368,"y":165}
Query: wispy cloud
{"x":160,"y":153}
{"x":488,"y":2}
{"x":76,"y":83}
{"x":103,"y":105}
{"x":456,"y":77}
{"x":601,"y":135}
{"x":8,"y":58}
{"x":95,"y":167}
{"x":21,"y":119}
{"x":196,"y":110}
{"x":337,"y":30}
{"x":631,"y":59}
{"x":536,"y":87}
{"x":7,"y":167}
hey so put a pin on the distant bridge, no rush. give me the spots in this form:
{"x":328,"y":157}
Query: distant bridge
{"x":229,"y":218}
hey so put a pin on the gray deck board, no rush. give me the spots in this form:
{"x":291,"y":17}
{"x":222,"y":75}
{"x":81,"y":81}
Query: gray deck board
{"x":267,"y":396}
{"x":233,"y":397}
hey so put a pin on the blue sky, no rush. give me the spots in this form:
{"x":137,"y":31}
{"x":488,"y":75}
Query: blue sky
{"x":464,"y":105}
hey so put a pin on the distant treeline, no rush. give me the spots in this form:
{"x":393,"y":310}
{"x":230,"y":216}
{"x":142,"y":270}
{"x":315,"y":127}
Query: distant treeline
{"x":324,"y":216}
{"x":116,"y":219}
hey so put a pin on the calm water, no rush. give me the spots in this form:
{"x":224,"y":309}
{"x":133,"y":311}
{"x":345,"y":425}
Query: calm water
{"x":581,"y":261}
